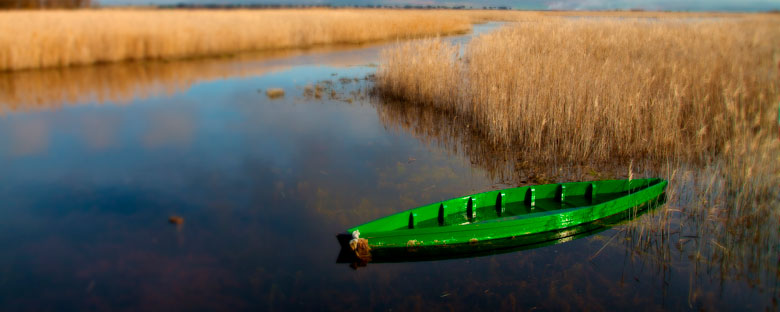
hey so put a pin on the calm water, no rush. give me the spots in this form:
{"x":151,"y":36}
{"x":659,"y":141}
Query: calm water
{"x":94,"y":160}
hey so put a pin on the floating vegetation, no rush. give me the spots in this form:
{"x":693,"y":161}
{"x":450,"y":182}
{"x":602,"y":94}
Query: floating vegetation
{"x":274,"y":93}
{"x":338,"y":91}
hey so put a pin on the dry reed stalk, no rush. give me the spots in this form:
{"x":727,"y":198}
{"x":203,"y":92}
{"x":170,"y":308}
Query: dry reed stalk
{"x":35,"y":39}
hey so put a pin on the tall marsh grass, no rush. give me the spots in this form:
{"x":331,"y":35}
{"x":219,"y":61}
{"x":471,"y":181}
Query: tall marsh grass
{"x":36,"y":39}
{"x":600,"y":90}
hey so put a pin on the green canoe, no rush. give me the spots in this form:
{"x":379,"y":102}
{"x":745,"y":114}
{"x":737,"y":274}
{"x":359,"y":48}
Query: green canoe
{"x":495,"y":246}
{"x":514,"y":214}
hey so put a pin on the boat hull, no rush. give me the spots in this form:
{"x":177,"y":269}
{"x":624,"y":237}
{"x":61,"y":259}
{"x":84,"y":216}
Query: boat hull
{"x":551,"y":208}
{"x":498,"y":245}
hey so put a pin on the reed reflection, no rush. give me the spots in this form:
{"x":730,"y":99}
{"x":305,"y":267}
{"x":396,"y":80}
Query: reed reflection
{"x":459,"y":136}
{"x":39,"y":90}
{"x":123,"y":83}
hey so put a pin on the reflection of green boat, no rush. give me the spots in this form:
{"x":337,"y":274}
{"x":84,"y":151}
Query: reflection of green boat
{"x":518,"y":216}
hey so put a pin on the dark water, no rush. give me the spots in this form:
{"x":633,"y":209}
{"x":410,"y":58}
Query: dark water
{"x":93,"y":162}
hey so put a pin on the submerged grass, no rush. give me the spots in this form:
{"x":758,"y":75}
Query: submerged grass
{"x":36,"y":39}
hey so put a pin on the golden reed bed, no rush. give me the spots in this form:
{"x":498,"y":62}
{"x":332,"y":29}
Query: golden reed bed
{"x":582,"y":90}
{"x":36,"y":39}
{"x":56,"y":38}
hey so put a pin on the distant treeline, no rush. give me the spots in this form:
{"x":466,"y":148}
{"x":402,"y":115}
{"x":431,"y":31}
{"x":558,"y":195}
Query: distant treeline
{"x":43,"y":4}
{"x":369,"y":6}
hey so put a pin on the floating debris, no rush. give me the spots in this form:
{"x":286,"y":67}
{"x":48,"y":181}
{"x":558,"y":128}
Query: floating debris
{"x":274,"y":93}
{"x":335,"y":90}
{"x":177,"y":220}
{"x":360,"y":247}
{"x":316,"y":90}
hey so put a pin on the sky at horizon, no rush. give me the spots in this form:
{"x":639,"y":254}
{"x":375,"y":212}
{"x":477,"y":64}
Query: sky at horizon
{"x":673,"y":5}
